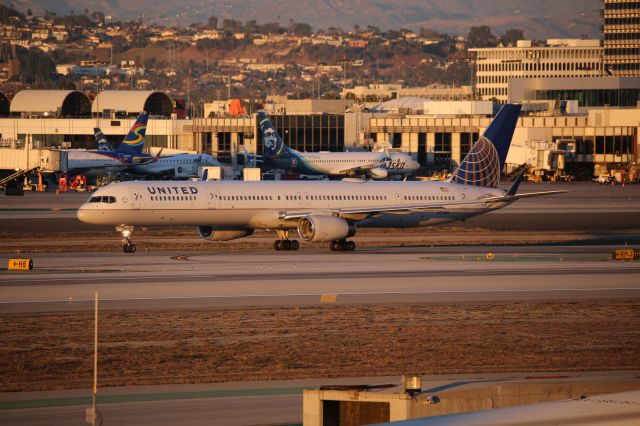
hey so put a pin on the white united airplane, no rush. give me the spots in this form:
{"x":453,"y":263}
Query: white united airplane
{"x":321,"y":211}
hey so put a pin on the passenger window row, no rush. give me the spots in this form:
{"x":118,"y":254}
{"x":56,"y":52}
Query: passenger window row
{"x":173,"y":197}
{"x":429,"y":197}
{"x":306,"y":197}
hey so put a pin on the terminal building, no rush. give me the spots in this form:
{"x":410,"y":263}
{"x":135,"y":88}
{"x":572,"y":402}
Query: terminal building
{"x":590,"y":140}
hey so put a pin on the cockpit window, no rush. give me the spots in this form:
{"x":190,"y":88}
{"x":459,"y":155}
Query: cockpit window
{"x":103,"y":199}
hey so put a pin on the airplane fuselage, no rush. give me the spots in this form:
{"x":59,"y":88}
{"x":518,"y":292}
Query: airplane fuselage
{"x":342,"y":163}
{"x":260,"y":205}
{"x":96,"y":163}
{"x":178,"y":165}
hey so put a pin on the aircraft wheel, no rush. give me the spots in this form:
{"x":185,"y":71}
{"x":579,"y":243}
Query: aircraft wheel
{"x":332,"y":246}
{"x":277,"y":245}
{"x":129,"y":248}
{"x":286,"y":245}
{"x":295,"y":245}
{"x":351,"y":246}
{"x":340,"y":245}
{"x":132,"y":249}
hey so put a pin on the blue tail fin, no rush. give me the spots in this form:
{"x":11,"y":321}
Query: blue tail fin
{"x":484,"y":162}
{"x":134,"y":141}
{"x":273,"y":144}
{"x":101,"y":140}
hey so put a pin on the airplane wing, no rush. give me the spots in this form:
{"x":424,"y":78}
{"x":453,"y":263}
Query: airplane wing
{"x":362,"y":169}
{"x":509,"y":197}
{"x":251,"y":158}
{"x":145,"y":161}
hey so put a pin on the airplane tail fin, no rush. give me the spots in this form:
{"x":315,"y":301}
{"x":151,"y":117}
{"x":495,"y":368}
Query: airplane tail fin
{"x":484,"y":162}
{"x":273,"y":144}
{"x":101,"y":140}
{"x":134,"y":141}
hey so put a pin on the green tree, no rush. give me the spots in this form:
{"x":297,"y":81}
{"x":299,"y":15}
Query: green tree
{"x":6,"y":12}
{"x":481,"y":37}
{"x":510,"y":37}
{"x":302,"y":30}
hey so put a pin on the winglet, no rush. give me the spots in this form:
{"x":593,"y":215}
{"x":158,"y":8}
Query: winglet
{"x":516,"y":183}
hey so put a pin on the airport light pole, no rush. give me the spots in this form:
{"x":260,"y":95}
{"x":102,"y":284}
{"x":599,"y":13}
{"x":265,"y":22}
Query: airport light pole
{"x":93,"y":416}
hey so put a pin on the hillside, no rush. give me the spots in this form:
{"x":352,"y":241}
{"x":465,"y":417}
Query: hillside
{"x":539,"y":19}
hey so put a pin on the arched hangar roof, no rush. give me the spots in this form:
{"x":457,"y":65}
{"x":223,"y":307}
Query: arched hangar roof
{"x":4,"y":105}
{"x":59,"y":103}
{"x":133,"y":102}
{"x":409,"y":102}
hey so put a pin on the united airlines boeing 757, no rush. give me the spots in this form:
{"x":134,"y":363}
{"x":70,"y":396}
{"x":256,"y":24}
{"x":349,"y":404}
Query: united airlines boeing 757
{"x":320,"y":211}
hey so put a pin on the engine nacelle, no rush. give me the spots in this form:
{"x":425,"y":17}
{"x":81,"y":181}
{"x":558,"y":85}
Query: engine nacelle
{"x":320,"y":229}
{"x":379,"y":173}
{"x":210,"y":233}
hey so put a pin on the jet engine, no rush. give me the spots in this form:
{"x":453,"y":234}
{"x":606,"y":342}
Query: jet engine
{"x":223,"y":234}
{"x":319,"y":229}
{"x":379,"y":173}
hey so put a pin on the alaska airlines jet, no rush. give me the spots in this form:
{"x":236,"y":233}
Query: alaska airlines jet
{"x":376,"y":165}
{"x":320,"y":211}
{"x":105,"y":159}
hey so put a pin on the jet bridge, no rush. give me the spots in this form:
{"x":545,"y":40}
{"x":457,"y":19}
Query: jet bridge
{"x":19,"y":159}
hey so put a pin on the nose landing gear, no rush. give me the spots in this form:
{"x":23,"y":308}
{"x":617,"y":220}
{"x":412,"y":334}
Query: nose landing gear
{"x":126,"y":231}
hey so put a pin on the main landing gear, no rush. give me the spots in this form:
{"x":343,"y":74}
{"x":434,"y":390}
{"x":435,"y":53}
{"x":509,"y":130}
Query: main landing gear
{"x":126,"y":231}
{"x":284,"y":243}
{"x":342,"y":245}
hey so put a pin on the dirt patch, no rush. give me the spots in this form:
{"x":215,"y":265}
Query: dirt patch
{"x":54,"y":350}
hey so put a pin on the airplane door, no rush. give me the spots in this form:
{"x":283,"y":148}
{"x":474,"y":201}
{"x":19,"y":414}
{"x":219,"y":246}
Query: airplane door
{"x":398,"y":198}
{"x":136,"y":200}
{"x":214,"y":198}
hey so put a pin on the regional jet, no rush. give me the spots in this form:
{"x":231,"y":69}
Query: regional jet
{"x":320,"y":211}
{"x":106,"y":160}
{"x":376,"y":165}
{"x":181,"y":165}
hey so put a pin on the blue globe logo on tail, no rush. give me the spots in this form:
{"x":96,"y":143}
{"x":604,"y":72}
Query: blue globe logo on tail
{"x":484,"y":162}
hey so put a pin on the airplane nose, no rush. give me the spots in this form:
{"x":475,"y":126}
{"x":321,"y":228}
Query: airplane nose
{"x":84,"y":214}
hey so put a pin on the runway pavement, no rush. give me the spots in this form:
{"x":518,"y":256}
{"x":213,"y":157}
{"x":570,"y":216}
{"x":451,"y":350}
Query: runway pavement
{"x":587,"y":206}
{"x":61,"y":282}
{"x":241,"y":403}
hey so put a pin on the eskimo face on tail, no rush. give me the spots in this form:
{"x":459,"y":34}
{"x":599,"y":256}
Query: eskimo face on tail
{"x":270,"y":141}
{"x":273,"y":145}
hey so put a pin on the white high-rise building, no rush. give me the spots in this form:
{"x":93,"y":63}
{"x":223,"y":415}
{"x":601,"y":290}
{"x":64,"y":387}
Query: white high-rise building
{"x":621,"y":37}
{"x":561,"y":58}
